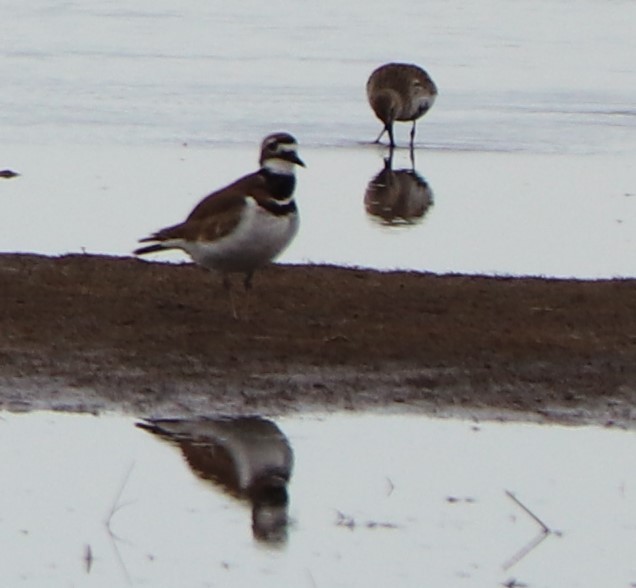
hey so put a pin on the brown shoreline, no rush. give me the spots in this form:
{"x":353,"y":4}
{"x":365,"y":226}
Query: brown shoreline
{"x":84,"y":332}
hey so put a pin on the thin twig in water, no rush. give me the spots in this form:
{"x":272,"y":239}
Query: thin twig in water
{"x":344,"y":520}
{"x":350,"y":523}
{"x":512,"y":583}
{"x":525,"y":550}
{"x":545,"y":527}
{"x":88,"y":558}
{"x":534,"y":543}
{"x":380,"y":525}
{"x":116,"y":504}
{"x":311,"y":579}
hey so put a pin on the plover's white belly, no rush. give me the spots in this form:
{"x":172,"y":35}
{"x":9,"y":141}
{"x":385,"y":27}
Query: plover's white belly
{"x":258,"y":238}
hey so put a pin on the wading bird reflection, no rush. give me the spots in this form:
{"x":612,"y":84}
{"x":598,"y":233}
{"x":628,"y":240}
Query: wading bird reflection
{"x":397,"y":197}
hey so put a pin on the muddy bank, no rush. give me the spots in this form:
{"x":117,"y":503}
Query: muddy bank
{"x":91,"y":333}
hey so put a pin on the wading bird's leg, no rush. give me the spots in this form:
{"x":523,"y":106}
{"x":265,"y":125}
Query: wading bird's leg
{"x":413,"y":135}
{"x":380,"y":135}
{"x":389,"y":128}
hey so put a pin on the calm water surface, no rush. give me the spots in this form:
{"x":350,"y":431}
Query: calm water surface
{"x":120,"y":117}
{"x":373,"y":500}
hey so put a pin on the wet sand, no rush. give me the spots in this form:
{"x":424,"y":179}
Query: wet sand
{"x":84,"y":332}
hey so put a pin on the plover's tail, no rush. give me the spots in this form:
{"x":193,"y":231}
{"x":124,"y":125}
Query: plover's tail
{"x":149,"y":249}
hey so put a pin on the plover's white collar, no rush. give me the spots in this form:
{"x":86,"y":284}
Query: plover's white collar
{"x":279,"y":166}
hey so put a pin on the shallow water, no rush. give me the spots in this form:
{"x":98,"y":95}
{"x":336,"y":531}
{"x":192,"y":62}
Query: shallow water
{"x":530,"y":76}
{"x":120,"y":119}
{"x":490,"y":213}
{"x":374,"y":500}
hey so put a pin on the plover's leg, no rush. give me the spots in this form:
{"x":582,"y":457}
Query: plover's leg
{"x":247,"y":283}
{"x":227,"y":285}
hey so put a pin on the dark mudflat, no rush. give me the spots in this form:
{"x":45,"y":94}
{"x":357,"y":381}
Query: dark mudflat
{"x":85,"y":332}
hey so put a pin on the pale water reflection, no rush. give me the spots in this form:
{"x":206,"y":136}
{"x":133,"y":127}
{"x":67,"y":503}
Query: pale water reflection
{"x":397,"y":197}
{"x":374,"y":501}
{"x":249,"y":457}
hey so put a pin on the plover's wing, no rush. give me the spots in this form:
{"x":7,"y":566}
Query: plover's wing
{"x":219,"y":198}
{"x":223,"y":214}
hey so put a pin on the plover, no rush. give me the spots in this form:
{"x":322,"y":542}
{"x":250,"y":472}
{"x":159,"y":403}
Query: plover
{"x":400,"y":92}
{"x":245,"y":225}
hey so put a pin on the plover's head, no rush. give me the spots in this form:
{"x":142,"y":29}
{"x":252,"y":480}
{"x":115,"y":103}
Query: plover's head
{"x":269,"y":507}
{"x":278,"y":153}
